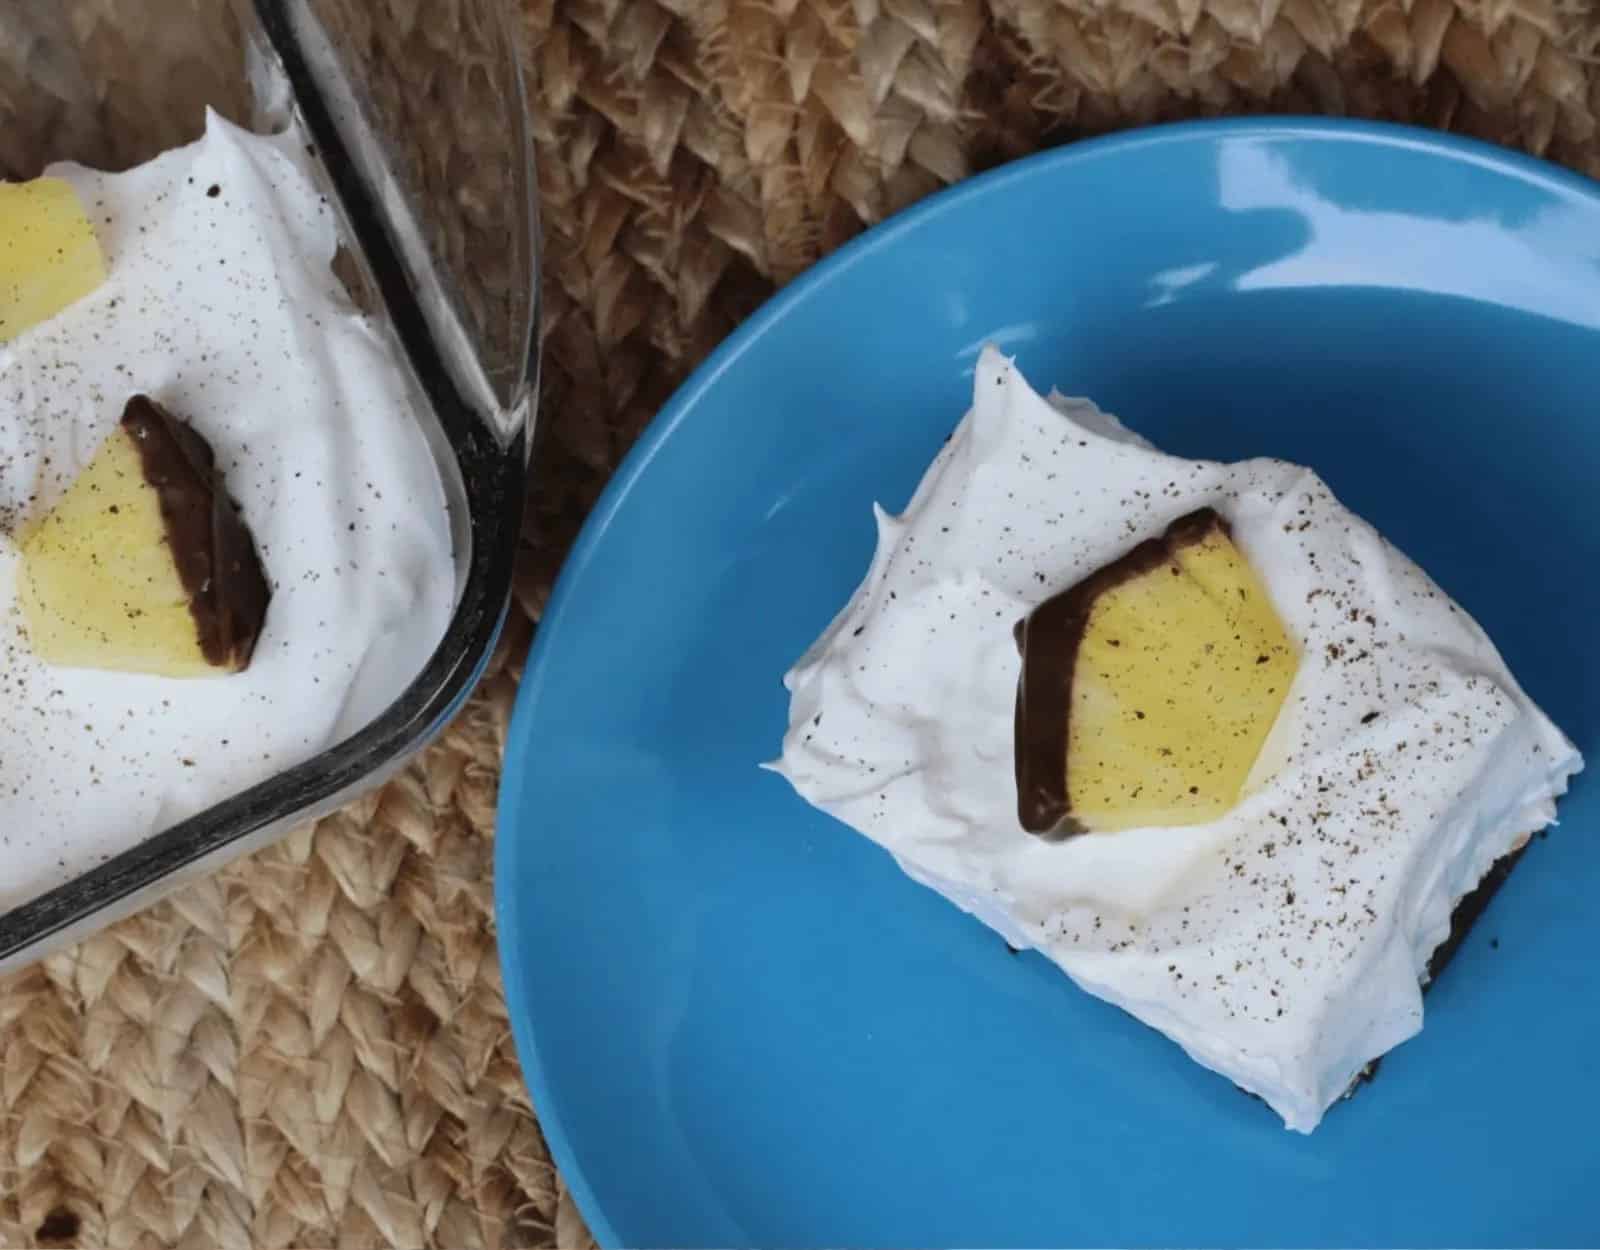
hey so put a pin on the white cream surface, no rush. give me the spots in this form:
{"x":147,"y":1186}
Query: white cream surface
{"x":1282,"y":945}
{"x":221,"y":305}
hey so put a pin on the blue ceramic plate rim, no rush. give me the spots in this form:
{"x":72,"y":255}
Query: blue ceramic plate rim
{"x":768,"y":318}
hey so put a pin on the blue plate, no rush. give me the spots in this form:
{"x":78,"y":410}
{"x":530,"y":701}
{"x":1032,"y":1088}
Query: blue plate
{"x":742,"y":1025}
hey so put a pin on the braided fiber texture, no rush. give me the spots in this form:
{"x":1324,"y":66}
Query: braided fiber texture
{"x":311,"y":1047}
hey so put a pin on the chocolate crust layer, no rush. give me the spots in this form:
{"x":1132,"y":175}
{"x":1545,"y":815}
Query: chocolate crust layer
{"x":1469,"y":908}
{"x":211,"y":546}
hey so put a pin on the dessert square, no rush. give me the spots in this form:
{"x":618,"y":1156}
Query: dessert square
{"x":1192,"y":730}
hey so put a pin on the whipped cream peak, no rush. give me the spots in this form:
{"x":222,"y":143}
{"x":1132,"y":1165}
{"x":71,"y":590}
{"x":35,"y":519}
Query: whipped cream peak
{"x":1282,"y":944}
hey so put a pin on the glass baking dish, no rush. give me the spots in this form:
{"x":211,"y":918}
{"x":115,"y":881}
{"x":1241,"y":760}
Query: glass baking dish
{"x":417,"y":117}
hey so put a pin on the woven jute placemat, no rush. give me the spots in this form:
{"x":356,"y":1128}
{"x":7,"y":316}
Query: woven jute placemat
{"x":311,"y":1047}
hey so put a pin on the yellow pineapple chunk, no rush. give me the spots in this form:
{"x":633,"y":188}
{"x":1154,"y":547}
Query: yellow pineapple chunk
{"x":49,"y":256}
{"x":1149,"y":688}
{"x":1203,"y":549}
{"x":144,"y":566}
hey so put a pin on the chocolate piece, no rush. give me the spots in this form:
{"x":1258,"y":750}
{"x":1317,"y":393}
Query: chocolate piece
{"x":1153,"y":681}
{"x":211,"y":548}
{"x":144,"y":564}
{"x":1048,"y":639}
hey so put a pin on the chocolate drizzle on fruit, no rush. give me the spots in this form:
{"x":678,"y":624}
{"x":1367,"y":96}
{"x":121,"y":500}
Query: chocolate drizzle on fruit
{"x":1148,"y":688}
{"x":211,"y":547}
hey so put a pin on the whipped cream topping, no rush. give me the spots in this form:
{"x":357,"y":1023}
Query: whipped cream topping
{"x":1282,"y":945}
{"x":221,"y":305}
